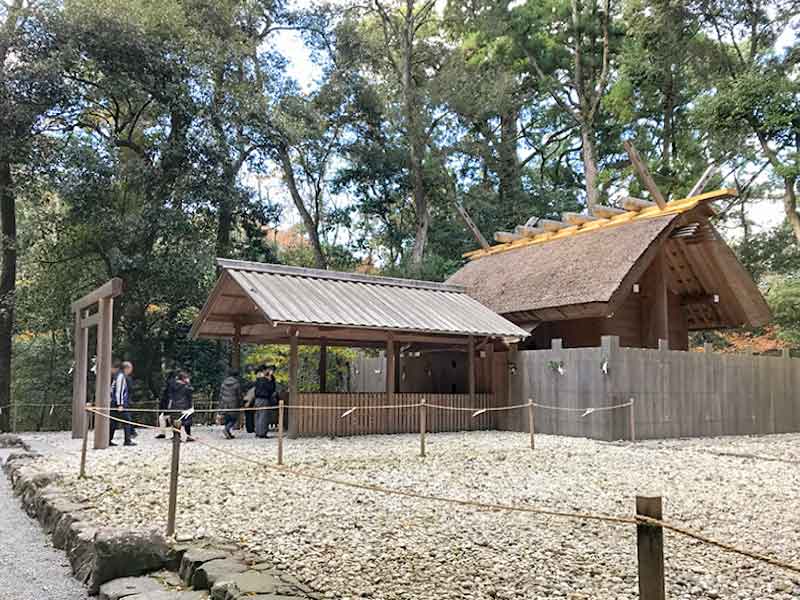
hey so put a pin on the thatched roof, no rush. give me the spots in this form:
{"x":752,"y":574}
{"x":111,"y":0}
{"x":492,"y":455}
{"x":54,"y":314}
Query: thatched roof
{"x":579,"y":269}
{"x":588,"y":270}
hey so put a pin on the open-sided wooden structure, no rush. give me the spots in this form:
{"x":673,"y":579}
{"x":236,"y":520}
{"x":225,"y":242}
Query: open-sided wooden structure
{"x":102,"y":318}
{"x":264,"y":303}
{"x":643,"y":272}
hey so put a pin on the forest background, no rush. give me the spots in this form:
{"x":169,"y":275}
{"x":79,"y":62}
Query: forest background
{"x":141,"y":139}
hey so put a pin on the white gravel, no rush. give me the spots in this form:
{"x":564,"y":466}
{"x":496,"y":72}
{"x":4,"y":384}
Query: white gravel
{"x":30,"y":568}
{"x":351,"y":543}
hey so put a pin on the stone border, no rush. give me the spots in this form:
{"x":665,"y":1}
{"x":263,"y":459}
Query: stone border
{"x":107,"y":560}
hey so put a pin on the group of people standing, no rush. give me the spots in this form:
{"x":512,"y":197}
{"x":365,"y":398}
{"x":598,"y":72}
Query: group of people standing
{"x":176,"y":397}
{"x":262,"y":397}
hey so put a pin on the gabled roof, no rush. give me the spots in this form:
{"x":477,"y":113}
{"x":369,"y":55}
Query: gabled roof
{"x":589,"y":270}
{"x":261,"y":297}
{"x":575,"y":270}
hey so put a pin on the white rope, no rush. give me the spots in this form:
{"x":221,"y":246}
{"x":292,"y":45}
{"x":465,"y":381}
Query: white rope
{"x":587,"y":411}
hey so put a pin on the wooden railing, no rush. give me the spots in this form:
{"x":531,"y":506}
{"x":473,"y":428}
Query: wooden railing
{"x":367,"y":419}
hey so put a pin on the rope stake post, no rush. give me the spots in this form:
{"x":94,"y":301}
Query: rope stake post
{"x":280,"y":432}
{"x":650,"y":549}
{"x":173,"y":481}
{"x":531,"y":423}
{"x":422,"y":427}
{"x":632,"y":415}
{"x":87,"y":416}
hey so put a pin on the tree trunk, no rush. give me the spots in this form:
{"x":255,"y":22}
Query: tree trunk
{"x":589,"y":156}
{"x":312,"y":226}
{"x":668,"y":134}
{"x":415,"y":141}
{"x":224,"y":226}
{"x":509,"y":171}
{"x":790,"y":205}
{"x":8,"y":278}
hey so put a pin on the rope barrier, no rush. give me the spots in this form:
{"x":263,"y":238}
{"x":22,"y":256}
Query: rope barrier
{"x":472,"y":410}
{"x":634,"y":520}
{"x":31,"y":405}
{"x":722,"y":545}
{"x":365,"y":407}
{"x":591,"y":409}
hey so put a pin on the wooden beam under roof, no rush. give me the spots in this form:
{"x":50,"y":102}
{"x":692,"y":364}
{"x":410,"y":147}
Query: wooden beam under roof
{"x":551,"y":225}
{"x":606,"y":212}
{"x":637,"y":204}
{"x":578,"y":219}
{"x":528,"y":232}
{"x":503,"y":237}
{"x":644,"y":174}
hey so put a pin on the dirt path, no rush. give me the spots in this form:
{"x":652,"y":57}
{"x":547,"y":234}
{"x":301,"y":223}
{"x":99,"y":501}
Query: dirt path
{"x":30,"y":568}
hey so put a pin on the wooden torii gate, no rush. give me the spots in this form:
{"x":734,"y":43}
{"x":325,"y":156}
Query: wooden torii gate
{"x":103,"y":297}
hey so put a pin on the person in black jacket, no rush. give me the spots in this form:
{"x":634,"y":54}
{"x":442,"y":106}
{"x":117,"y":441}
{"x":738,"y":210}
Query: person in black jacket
{"x":182,"y":400}
{"x":230,"y":400}
{"x":164,"y":404}
{"x":265,"y":393}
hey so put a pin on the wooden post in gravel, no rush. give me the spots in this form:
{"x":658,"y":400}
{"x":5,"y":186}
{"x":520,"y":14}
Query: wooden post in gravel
{"x":531,"y":422}
{"x":632,"y":417}
{"x":280,"y":432}
{"x":173,"y":480}
{"x":422,"y":427}
{"x":650,"y":550}
{"x":86,"y":418}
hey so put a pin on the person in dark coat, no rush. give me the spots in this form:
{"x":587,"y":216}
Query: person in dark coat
{"x":264,"y":397}
{"x":164,"y":404}
{"x":182,"y":400}
{"x":230,"y":399}
{"x":120,"y":403}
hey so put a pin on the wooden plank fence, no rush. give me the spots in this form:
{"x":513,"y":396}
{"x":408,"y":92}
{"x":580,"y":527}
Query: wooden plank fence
{"x":677,"y":393}
{"x":322,"y":419}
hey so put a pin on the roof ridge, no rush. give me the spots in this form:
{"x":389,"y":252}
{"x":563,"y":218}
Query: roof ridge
{"x":291,"y":271}
{"x":674,"y":207}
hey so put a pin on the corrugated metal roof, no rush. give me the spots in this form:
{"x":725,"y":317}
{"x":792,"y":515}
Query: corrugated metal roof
{"x":292,"y":295}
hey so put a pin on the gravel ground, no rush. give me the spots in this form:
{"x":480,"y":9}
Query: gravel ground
{"x":30,"y":568}
{"x":352,"y":543}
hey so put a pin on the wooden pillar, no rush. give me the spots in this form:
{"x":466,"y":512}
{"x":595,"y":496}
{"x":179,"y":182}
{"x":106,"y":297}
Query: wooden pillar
{"x":650,"y":542}
{"x":471,"y":370}
{"x":323,"y":367}
{"x":236,"y":347}
{"x":172,"y":505}
{"x":391,"y":366}
{"x":81,"y":353}
{"x":102,"y":395}
{"x":490,"y":367}
{"x":655,"y":307}
{"x":293,"y":392}
{"x":398,"y":368}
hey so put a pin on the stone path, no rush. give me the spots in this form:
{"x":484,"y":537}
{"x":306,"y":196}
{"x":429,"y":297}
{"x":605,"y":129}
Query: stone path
{"x":30,"y":568}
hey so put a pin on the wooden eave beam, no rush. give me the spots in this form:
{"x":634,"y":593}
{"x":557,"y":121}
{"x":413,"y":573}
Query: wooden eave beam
{"x":528,"y":232}
{"x":701,"y":299}
{"x":637,"y":204}
{"x":578,"y":219}
{"x":504,"y":237}
{"x":606,"y":212}
{"x":242,"y":320}
{"x":552,"y":225}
